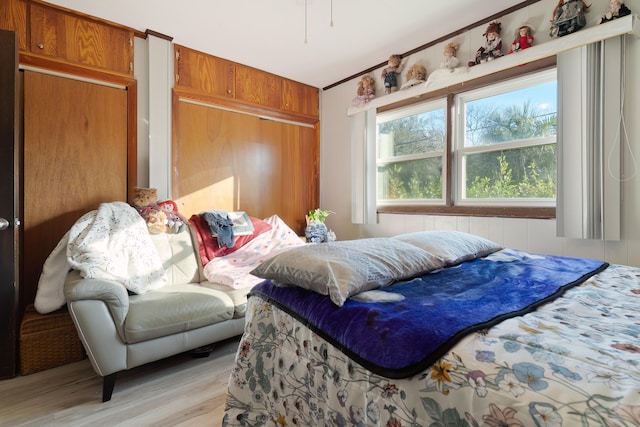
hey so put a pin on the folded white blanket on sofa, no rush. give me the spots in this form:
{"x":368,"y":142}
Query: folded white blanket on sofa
{"x":110,"y":243}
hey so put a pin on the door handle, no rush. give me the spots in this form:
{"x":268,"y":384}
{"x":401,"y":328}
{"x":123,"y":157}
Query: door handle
{"x":4,"y":224}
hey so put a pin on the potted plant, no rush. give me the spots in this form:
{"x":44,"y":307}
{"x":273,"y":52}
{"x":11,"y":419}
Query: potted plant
{"x":316,"y":231}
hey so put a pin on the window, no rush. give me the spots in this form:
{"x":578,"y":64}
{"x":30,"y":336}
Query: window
{"x":506,"y":145}
{"x":498,"y":140}
{"x":411,"y":153}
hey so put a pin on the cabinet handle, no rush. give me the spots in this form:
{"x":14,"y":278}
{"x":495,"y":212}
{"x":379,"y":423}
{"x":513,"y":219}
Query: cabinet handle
{"x":40,"y":46}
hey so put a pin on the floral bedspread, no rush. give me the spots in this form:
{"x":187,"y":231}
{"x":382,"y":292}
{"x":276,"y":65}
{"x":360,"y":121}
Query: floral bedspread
{"x":574,"y":361}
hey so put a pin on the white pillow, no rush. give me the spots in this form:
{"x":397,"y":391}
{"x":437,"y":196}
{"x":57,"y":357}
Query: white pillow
{"x":453,"y":247}
{"x":345,"y":268}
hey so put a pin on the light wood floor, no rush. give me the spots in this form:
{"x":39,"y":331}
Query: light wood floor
{"x":178,"y":391}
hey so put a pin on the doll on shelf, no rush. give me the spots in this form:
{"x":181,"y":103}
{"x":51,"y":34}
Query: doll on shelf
{"x":616,"y":9}
{"x":493,"y":45}
{"x":416,"y":74}
{"x":449,"y":58}
{"x":390,"y":73}
{"x":366,"y":90}
{"x":568,"y":17}
{"x":524,"y":38}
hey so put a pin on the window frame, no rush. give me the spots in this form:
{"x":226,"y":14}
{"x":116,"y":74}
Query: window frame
{"x":449,"y":180}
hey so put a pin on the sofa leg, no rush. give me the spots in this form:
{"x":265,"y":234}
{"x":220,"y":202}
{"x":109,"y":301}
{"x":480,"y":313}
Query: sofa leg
{"x":107,"y":386}
{"x":203,"y":351}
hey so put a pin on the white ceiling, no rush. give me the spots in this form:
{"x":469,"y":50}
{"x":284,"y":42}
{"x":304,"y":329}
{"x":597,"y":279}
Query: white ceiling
{"x":270,"y":34}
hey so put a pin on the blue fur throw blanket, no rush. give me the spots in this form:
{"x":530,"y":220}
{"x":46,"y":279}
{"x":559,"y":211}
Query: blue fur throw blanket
{"x":400,"y":330}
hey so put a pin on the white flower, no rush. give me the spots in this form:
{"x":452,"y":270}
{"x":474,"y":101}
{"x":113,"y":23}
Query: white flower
{"x":510,"y":383}
{"x":611,"y":378}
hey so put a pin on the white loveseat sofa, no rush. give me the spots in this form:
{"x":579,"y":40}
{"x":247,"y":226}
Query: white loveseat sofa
{"x":121,"y":330}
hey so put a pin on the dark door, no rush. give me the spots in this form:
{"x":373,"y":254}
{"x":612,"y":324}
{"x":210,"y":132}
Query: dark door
{"x":9,"y":205}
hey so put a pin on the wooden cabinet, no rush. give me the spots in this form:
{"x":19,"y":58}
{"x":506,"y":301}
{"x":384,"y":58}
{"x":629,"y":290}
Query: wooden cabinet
{"x":13,"y":17}
{"x":237,"y":85}
{"x":258,"y":87}
{"x":299,"y":98}
{"x":80,"y":40}
{"x":203,"y":73}
{"x":61,"y":35}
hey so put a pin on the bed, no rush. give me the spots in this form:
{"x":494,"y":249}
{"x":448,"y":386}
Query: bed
{"x":325,"y":344}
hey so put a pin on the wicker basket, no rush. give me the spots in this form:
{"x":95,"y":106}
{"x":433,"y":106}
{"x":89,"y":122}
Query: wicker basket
{"x":47,"y":341}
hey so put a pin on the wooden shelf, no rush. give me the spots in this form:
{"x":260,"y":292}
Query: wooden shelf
{"x":626,"y":25}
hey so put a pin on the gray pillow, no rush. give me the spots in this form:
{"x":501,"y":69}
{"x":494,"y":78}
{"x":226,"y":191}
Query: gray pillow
{"x":453,"y":247}
{"x":344,"y":268}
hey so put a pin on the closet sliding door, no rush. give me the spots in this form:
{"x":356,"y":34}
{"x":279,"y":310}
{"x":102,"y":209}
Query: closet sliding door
{"x":232,"y":161}
{"x":75,"y":157}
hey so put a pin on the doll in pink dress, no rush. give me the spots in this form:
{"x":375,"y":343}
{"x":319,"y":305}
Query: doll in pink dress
{"x":366,"y":90}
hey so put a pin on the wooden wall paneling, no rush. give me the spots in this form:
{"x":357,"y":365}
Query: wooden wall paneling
{"x":60,"y":34}
{"x":75,"y":157}
{"x":13,"y":17}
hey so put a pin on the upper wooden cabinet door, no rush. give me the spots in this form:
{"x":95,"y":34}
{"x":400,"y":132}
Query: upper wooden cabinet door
{"x":13,"y":17}
{"x":203,"y":73}
{"x":299,"y":98}
{"x":258,"y":87}
{"x":59,"y":34}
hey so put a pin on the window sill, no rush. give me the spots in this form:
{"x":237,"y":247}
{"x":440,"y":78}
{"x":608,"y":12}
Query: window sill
{"x":626,"y":25}
{"x":486,"y":211}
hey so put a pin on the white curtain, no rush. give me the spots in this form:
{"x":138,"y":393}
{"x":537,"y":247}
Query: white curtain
{"x":590,"y":84}
{"x":363,"y":167}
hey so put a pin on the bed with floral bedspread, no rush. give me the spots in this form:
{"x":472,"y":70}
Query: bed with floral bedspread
{"x":574,"y":360}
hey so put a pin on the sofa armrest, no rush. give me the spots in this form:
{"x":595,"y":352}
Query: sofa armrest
{"x":113,"y":294}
